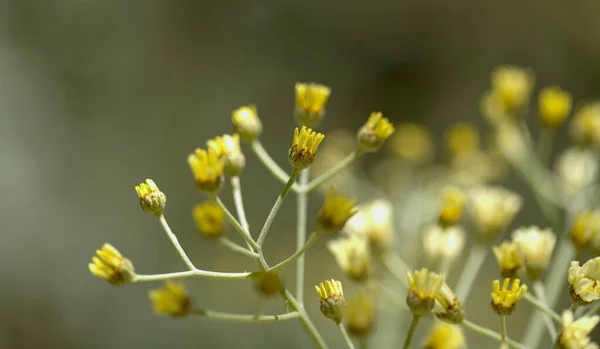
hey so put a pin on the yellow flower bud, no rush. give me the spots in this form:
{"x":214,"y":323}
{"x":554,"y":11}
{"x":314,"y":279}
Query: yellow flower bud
{"x":331,"y":296}
{"x":171,"y":300}
{"x":447,"y":306}
{"x":151,"y":198}
{"x":512,"y":86}
{"x":110,"y":265}
{"x":505,"y":300}
{"x":584,"y":284}
{"x":207,"y":169}
{"x":246,"y":122}
{"x":509,"y":258}
{"x":310,"y":103}
{"x":210,"y":219}
{"x":359,"y":314}
{"x":585,"y":229}
{"x":304,"y":147}
{"x":453,"y":203}
{"x":372,"y":135}
{"x":492,"y":209}
{"x":412,"y":142}
{"x":423,"y":286}
{"x":267,"y":283}
{"x":228,"y":148}
{"x":554,"y":106}
{"x":334,"y":214}
{"x":444,"y":336}
{"x":585,"y":126}
{"x":462,"y":138}
{"x":574,"y":334}
{"x":536,"y":246}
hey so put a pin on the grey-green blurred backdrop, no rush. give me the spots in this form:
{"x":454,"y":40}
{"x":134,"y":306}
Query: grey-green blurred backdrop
{"x":96,"y":96}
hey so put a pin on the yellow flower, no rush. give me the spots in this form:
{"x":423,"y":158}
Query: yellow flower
{"x":584,"y":284}
{"x":207,"y":169}
{"x":373,"y":222}
{"x":575,"y":334}
{"x":585,"y":229}
{"x":151,"y":198}
{"x":554,"y":106}
{"x":267,"y":283}
{"x":447,"y":306}
{"x":512,"y":86}
{"x":372,"y":135}
{"x":462,"y":138}
{"x":508,"y":258}
{"x":492,"y":209}
{"x":359,"y":314}
{"x":412,"y":142}
{"x":336,"y":211}
{"x":536,"y":246}
{"x":331,"y":297}
{"x":444,"y":336}
{"x":210,"y":219}
{"x":505,"y":300}
{"x":110,"y":265}
{"x":423,"y":287}
{"x":310,"y":103}
{"x":228,"y":148}
{"x":585,"y":126}
{"x":353,"y":256}
{"x":577,"y":168}
{"x":444,"y":244}
{"x":304,"y":147}
{"x":453,"y":203}
{"x":171,"y":300}
{"x":246,"y":122}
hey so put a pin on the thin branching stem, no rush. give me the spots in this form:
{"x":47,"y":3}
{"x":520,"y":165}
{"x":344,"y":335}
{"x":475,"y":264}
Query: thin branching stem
{"x":491,"y":334}
{"x":348,"y":160}
{"x":236,"y":188}
{"x":217,"y":315}
{"x":503,"y":330}
{"x":395,"y":266}
{"x":173,"y":238}
{"x":270,"y":164}
{"x":541,"y":306}
{"x":265,"y":229}
{"x":345,"y":335}
{"x":301,"y":217}
{"x":226,"y":242}
{"x":469,"y":274}
{"x":411,"y":331}
{"x":305,"y":320}
{"x":189,"y":274}
{"x":311,"y":241}
{"x":243,"y":232}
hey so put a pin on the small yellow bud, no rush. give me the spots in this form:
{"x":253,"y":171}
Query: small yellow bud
{"x":151,"y":198}
{"x":310,"y":103}
{"x":372,"y":135}
{"x":267,"y":283}
{"x":246,"y":122}
{"x":332,"y":300}
{"x":334,"y":214}
{"x":505,"y":300}
{"x":574,"y":334}
{"x":447,"y":306}
{"x":585,"y":229}
{"x":207,"y":169}
{"x":584,"y":284}
{"x":423,"y":286}
{"x":353,"y":256}
{"x":444,"y":336}
{"x":359,"y":314}
{"x":172,"y":300}
{"x":585,"y":126}
{"x":512,"y":86}
{"x":508,"y":258}
{"x":304,"y":147}
{"x":492,"y":209}
{"x":554,"y":106}
{"x":110,"y":265}
{"x":535,"y":246}
{"x":210,"y":219}
{"x":462,"y":138}
{"x":228,"y":148}
{"x":453,"y":203}
{"x":412,"y":142}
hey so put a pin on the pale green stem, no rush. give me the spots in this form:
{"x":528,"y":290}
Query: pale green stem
{"x":245,"y":317}
{"x":311,"y":241}
{"x":396,"y":266}
{"x":243,"y":232}
{"x":541,"y":306}
{"x":348,"y":160}
{"x":344,"y":334}
{"x":364,"y":342}
{"x":593,"y":309}
{"x":544,"y":145}
{"x":573,"y":307}
{"x":491,"y":334}
{"x":239,"y":202}
{"x":225,"y":242}
{"x":275,"y":209}
{"x":305,"y":320}
{"x":191,"y":273}
{"x":540,"y":292}
{"x":411,"y":331}
{"x":301,"y":217}
{"x":175,"y":242}
{"x":270,"y":164}
{"x":471,"y":269}
{"x":503,"y":331}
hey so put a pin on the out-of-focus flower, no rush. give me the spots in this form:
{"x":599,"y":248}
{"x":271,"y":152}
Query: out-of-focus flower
{"x":492,"y":209}
{"x":492,"y":109}
{"x":509,"y":258}
{"x":505,"y":300}
{"x":585,"y":126}
{"x":172,"y":300}
{"x":453,"y":203}
{"x":311,"y":100}
{"x":336,"y":211}
{"x":110,"y":265}
{"x":375,"y":131}
{"x":477,"y":168}
{"x":444,"y":244}
{"x":585,"y":229}
{"x":575,"y":334}
{"x":246,"y":122}
{"x":584,"y":285}
{"x":304,"y":147}
{"x":447,"y":306}
{"x":536,"y":246}
{"x":353,"y":256}
{"x":512,"y":86}
{"x":359,"y":314}
{"x":207,"y":169}
{"x":267,"y":283}
{"x":151,"y":198}
{"x":422,"y":288}
{"x":510,"y":141}
{"x":228,"y":148}
{"x":373,"y":222}
{"x":462,"y":138}
{"x":210,"y":219}
{"x":444,"y":336}
{"x":331,"y":297}
{"x":554,"y":106}
{"x":412,"y":142}
{"x":577,"y":168}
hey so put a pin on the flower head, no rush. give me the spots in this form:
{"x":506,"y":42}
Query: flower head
{"x":209,"y":218}
{"x":512,"y":86}
{"x":577,"y":168}
{"x":492,"y":209}
{"x":377,"y":129}
{"x":207,"y":169}
{"x":585,"y":228}
{"x":373,"y":222}
{"x":536,"y":246}
{"x":509,"y":258}
{"x":584,"y":281}
{"x":304,"y":147}
{"x":359,"y":314}
{"x":444,"y":244}
{"x":331,"y":296}
{"x":336,"y":211}
{"x":554,"y":106}
{"x":447,"y":306}
{"x":453,"y":203}
{"x":310,"y":103}
{"x":353,"y":256}
{"x":444,"y":336}
{"x":505,"y":300}
{"x":246,"y":122}
{"x":423,"y":286}
{"x":110,"y":265}
{"x":412,"y":142}
{"x":267,"y":283}
{"x":228,"y":148}
{"x":172,"y":300}
{"x":151,"y":198}
{"x":585,"y":126}
{"x":462,"y":138}
{"x":574,"y":334}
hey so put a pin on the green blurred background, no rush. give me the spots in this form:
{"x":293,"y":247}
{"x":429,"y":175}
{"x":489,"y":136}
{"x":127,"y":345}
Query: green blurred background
{"x":96,"y":96}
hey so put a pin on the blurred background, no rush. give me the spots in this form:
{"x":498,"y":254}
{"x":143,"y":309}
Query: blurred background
{"x":96,"y":96}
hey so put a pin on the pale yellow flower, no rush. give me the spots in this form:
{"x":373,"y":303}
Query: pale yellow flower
{"x":492,"y":208}
{"x":373,"y":222}
{"x":110,"y":265}
{"x":304,"y":147}
{"x":311,"y":100}
{"x":353,"y":256}
{"x":423,"y":286}
{"x":228,"y":148}
{"x":447,"y":306}
{"x":536,"y":246}
{"x":375,"y":131}
{"x":585,"y":229}
{"x":209,"y":218}
{"x":444,"y":336}
{"x":509,"y":258}
{"x":359,"y":314}
{"x":577,"y":168}
{"x":505,"y":300}
{"x":574,"y":334}
{"x":584,"y":284}
{"x":151,"y":198}
{"x":554,"y":106}
{"x":336,"y":211}
{"x":207,"y":169}
{"x":246,"y":122}
{"x":331,"y":297}
{"x":412,"y":142}
{"x":585,"y":126}
{"x":512,"y":86}
{"x":462,"y":138}
{"x":444,"y":244}
{"x":171,"y":300}
{"x":453,"y":203}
